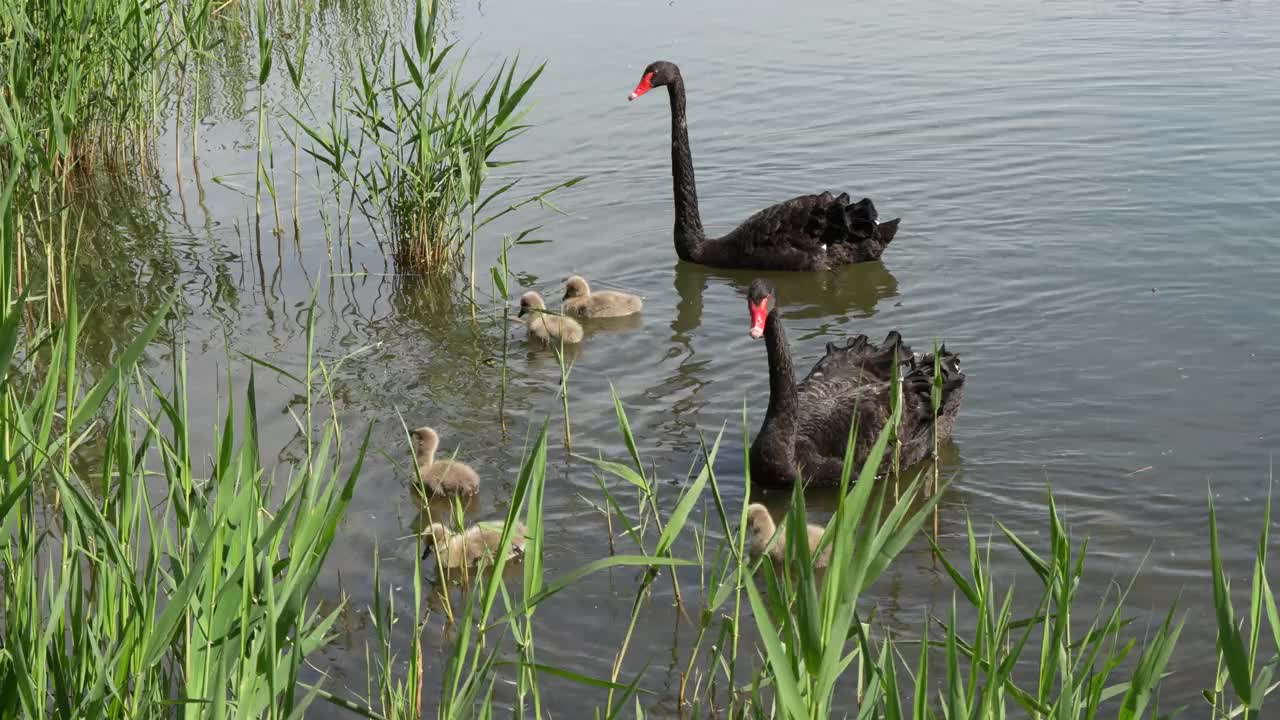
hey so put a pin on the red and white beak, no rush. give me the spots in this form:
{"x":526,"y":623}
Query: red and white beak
{"x":646,"y":84}
{"x":759,"y":312}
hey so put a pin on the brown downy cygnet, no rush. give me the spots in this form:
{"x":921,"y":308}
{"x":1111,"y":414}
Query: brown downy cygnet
{"x":547,"y":327}
{"x":442,"y":477}
{"x":579,"y":301}
{"x":761,"y":528}
{"x":475,"y":544}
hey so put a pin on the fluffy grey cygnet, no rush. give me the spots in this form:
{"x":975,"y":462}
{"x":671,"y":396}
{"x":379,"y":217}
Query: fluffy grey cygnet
{"x":579,"y":301}
{"x":442,"y":477}
{"x":478,"y":543}
{"x":545,"y":326}
{"x":761,"y":529}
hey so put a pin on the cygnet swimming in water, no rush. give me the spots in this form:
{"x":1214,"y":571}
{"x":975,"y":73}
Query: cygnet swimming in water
{"x":579,"y":301}
{"x":761,"y":528}
{"x":444,"y":477}
{"x":475,"y":544}
{"x":548,"y":327}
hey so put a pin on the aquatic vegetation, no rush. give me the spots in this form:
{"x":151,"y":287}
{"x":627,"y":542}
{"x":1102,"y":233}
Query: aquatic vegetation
{"x":83,"y":87}
{"x":84,"y":83}
{"x":132,"y":583}
{"x":122,"y":595}
{"x":434,"y":136}
{"x":88,"y":87}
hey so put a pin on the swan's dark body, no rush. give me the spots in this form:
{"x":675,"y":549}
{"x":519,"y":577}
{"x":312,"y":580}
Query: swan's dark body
{"x":806,"y":428}
{"x":810,"y":232}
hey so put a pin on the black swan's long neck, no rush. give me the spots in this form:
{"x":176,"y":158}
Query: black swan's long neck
{"x":783,"y":399}
{"x":688,"y":231}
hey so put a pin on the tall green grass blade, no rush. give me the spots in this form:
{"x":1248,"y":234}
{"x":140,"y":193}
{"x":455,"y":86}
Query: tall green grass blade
{"x":787,"y":684}
{"x":120,"y":370}
{"x":680,"y":515}
{"x":564,"y":581}
{"x":1230,"y":645}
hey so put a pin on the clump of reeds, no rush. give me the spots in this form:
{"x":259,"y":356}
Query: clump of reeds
{"x":434,"y":135}
{"x":84,"y":82}
{"x":83,"y":85}
{"x":146,"y":577}
{"x":1061,"y":661}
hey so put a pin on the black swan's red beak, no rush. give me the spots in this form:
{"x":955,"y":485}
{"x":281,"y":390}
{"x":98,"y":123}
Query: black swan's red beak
{"x":759,"y":311}
{"x":646,"y":84}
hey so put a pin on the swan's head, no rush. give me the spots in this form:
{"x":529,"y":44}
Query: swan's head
{"x":760,"y":527}
{"x":531,"y":302}
{"x":576,"y":287}
{"x":759,"y":302}
{"x":656,"y":75}
{"x":425,"y":442}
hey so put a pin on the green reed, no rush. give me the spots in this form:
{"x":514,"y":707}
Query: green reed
{"x":87,"y":86}
{"x":141,"y":581}
{"x":124,"y":595}
{"x":84,"y":82}
{"x":265,"y":169}
{"x":1240,"y":664}
{"x":434,"y":136}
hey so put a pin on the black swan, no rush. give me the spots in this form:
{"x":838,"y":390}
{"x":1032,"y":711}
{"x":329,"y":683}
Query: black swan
{"x":806,"y":427}
{"x":811,"y":232}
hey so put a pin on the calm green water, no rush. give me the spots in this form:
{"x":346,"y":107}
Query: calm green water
{"x":1089,"y":194}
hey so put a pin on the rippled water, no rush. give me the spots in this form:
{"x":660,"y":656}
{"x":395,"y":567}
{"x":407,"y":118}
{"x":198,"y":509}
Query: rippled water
{"x":1089,"y":202}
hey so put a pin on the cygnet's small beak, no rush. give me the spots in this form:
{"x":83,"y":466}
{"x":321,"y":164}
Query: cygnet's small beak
{"x":523,"y":311}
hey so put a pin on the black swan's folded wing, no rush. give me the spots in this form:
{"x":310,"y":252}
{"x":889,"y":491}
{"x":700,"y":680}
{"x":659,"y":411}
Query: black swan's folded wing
{"x":853,"y":382}
{"x":860,"y":361}
{"x":815,"y":224}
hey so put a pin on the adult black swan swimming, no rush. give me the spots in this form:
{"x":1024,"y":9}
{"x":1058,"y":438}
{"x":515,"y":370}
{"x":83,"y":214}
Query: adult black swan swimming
{"x":806,"y":427}
{"x":811,"y":232}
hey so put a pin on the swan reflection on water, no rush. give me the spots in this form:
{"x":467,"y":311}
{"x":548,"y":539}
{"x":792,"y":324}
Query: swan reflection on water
{"x":850,"y":290}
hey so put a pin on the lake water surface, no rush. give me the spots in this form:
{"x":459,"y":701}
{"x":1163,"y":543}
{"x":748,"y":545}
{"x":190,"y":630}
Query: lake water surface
{"x":1090,"y":195}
